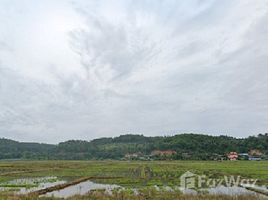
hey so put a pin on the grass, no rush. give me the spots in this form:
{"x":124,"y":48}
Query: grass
{"x":18,"y":185}
{"x":146,"y":194}
{"x":138,"y":174}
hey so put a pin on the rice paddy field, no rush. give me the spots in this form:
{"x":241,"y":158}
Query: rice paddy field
{"x":127,"y":179}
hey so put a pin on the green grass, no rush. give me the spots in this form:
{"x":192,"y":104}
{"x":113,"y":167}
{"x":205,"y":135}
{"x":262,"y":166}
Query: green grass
{"x":146,"y":194}
{"x":18,"y":185}
{"x":133,"y":174}
{"x":140,"y":171}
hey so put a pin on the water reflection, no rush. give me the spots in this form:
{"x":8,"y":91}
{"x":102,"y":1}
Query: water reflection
{"x":81,"y":189}
{"x":27,"y":185}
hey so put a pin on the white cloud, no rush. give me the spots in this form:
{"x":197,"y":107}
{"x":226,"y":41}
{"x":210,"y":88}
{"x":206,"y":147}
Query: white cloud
{"x":99,"y":68}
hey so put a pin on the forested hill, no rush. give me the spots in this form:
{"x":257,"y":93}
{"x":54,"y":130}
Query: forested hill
{"x":186,"y":146}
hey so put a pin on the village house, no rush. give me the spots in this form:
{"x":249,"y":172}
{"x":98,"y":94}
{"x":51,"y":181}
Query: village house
{"x":166,"y":153}
{"x":233,"y":156}
{"x":132,"y":156}
{"x":136,"y":156}
{"x":243,"y":156}
{"x":255,"y":155}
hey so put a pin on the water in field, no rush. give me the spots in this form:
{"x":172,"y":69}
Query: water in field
{"x":260,"y":188}
{"x":27,"y":185}
{"x":81,"y":189}
{"x":223,"y":190}
{"x":87,"y":186}
{"x":231,"y":191}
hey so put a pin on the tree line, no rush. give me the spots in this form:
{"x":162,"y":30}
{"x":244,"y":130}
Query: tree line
{"x":187,"y":146}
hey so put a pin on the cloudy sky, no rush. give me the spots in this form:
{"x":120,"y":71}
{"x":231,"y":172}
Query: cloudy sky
{"x":85,"y":69}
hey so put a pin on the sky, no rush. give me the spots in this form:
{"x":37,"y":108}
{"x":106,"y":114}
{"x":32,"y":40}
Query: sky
{"x":84,"y":69}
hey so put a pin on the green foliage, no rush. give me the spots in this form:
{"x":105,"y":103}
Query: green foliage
{"x":10,"y":149}
{"x":187,"y":146}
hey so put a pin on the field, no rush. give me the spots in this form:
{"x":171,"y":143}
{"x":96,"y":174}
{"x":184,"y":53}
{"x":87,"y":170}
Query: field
{"x":143,"y":176}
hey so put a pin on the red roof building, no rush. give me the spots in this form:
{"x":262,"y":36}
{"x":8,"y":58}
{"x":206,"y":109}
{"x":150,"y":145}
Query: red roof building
{"x":232,"y":156}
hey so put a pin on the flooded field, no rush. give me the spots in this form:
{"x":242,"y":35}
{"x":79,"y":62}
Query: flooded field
{"x":73,"y":179}
{"x":82,"y":189}
{"x":28,"y":185}
{"x":232,"y":191}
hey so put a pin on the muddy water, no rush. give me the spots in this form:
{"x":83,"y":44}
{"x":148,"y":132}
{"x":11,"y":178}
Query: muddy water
{"x":81,"y":189}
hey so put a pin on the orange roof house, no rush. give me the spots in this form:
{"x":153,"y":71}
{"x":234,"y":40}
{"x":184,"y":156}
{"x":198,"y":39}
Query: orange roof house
{"x":163,"y":153}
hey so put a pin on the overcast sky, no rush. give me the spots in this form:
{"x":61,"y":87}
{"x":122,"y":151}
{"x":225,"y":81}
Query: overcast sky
{"x":86,"y":69}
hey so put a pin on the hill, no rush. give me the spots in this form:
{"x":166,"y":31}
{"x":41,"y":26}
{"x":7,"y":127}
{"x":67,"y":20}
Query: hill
{"x":186,"y":146}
